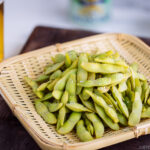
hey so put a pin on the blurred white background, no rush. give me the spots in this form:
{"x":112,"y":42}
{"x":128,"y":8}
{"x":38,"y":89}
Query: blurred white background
{"x":21,"y":16}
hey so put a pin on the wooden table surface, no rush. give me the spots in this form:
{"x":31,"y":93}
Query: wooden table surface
{"x":12,"y":134}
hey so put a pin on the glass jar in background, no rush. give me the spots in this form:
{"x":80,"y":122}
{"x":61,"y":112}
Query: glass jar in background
{"x":1,"y":31}
{"x":90,"y":12}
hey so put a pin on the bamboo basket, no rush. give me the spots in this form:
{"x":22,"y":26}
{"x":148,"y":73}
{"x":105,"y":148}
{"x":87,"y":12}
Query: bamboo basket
{"x":19,"y":96}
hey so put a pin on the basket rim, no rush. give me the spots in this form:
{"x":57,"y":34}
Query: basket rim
{"x":17,"y":58}
{"x":46,"y":49}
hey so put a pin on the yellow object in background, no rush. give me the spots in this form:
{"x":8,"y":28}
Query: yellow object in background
{"x":1,"y":33}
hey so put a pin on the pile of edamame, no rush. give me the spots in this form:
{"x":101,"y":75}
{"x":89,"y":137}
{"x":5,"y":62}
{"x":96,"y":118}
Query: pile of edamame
{"x":90,"y":93}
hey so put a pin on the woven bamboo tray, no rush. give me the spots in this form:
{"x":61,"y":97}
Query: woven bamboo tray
{"x":20,"y":98}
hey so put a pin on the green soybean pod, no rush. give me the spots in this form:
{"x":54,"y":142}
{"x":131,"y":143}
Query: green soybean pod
{"x":88,"y":103}
{"x":73,"y":55}
{"x":42,"y":110}
{"x":101,"y":102}
{"x":71,"y":87}
{"x":73,"y":66}
{"x":70,"y":123}
{"x":122,"y":119}
{"x":42,"y":78}
{"x":144,"y":89}
{"x":54,"y":67}
{"x":47,"y":96}
{"x":81,"y":73}
{"x":52,"y":84}
{"x":107,"y":80}
{"x":55,"y":75}
{"x":63,"y":111}
{"x":67,"y":60}
{"x":98,"y":125}
{"x":110,"y":60}
{"x":89,"y":126}
{"x":135,"y":114}
{"x":107,"y":100}
{"x":100,"y":111}
{"x":128,"y":102}
{"x":113,"y":101}
{"x":43,"y":86}
{"x":104,"y":54}
{"x":53,"y":107}
{"x":147,"y":92}
{"x":118,"y":97}
{"x":57,"y":94}
{"x":102,"y":68}
{"x":34,"y":87}
{"x":104,"y":89}
{"x":58,"y":58}
{"x":31,"y":83}
{"x":122,"y":86}
{"x":60,"y":85}
{"x":77,"y":107}
{"x":82,"y":133}
{"x":91,"y":76}
{"x":64,"y":98}
{"x":146,"y":113}
{"x":148,"y":101}
{"x":61,"y":117}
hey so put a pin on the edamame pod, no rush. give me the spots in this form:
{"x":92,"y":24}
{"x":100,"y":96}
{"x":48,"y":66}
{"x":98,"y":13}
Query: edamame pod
{"x":70,"y":123}
{"x":113,"y":101}
{"x":98,"y":125}
{"x":88,"y":103}
{"x":91,"y":76}
{"x":77,"y":107}
{"x":102,"y":68}
{"x":42,"y":110}
{"x":47,"y":96}
{"x":109,"y":60}
{"x":135,"y":115}
{"x":144,"y":89}
{"x":54,"y":106}
{"x":100,"y":101}
{"x":56,"y":74}
{"x":34,"y":87}
{"x":89,"y":126}
{"x":105,"y":54}
{"x":60,"y":85}
{"x":128,"y":103}
{"x":146,"y":113}
{"x":100,"y":111}
{"x":58,"y":58}
{"x":103,"y":89}
{"x":64,"y":98}
{"x":52,"y":84}
{"x":81,"y":73}
{"x":118,"y":97}
{"x":42,"y":78}
{"x":122,"y":86}
{"x":73,"y":66}
{"x":54,"y":67}
{"x":67,"y":60}
{"x":71,"y":87}
{"x":61,"y":117}
{"x":112,"y":79}
{"x":57,"y":94}
{"x":82,"y":133}
{"x":43,"y":86}
{"x":122,"y":119}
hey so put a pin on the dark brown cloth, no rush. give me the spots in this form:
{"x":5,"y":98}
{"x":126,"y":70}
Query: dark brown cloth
{"x":12,"y":135}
